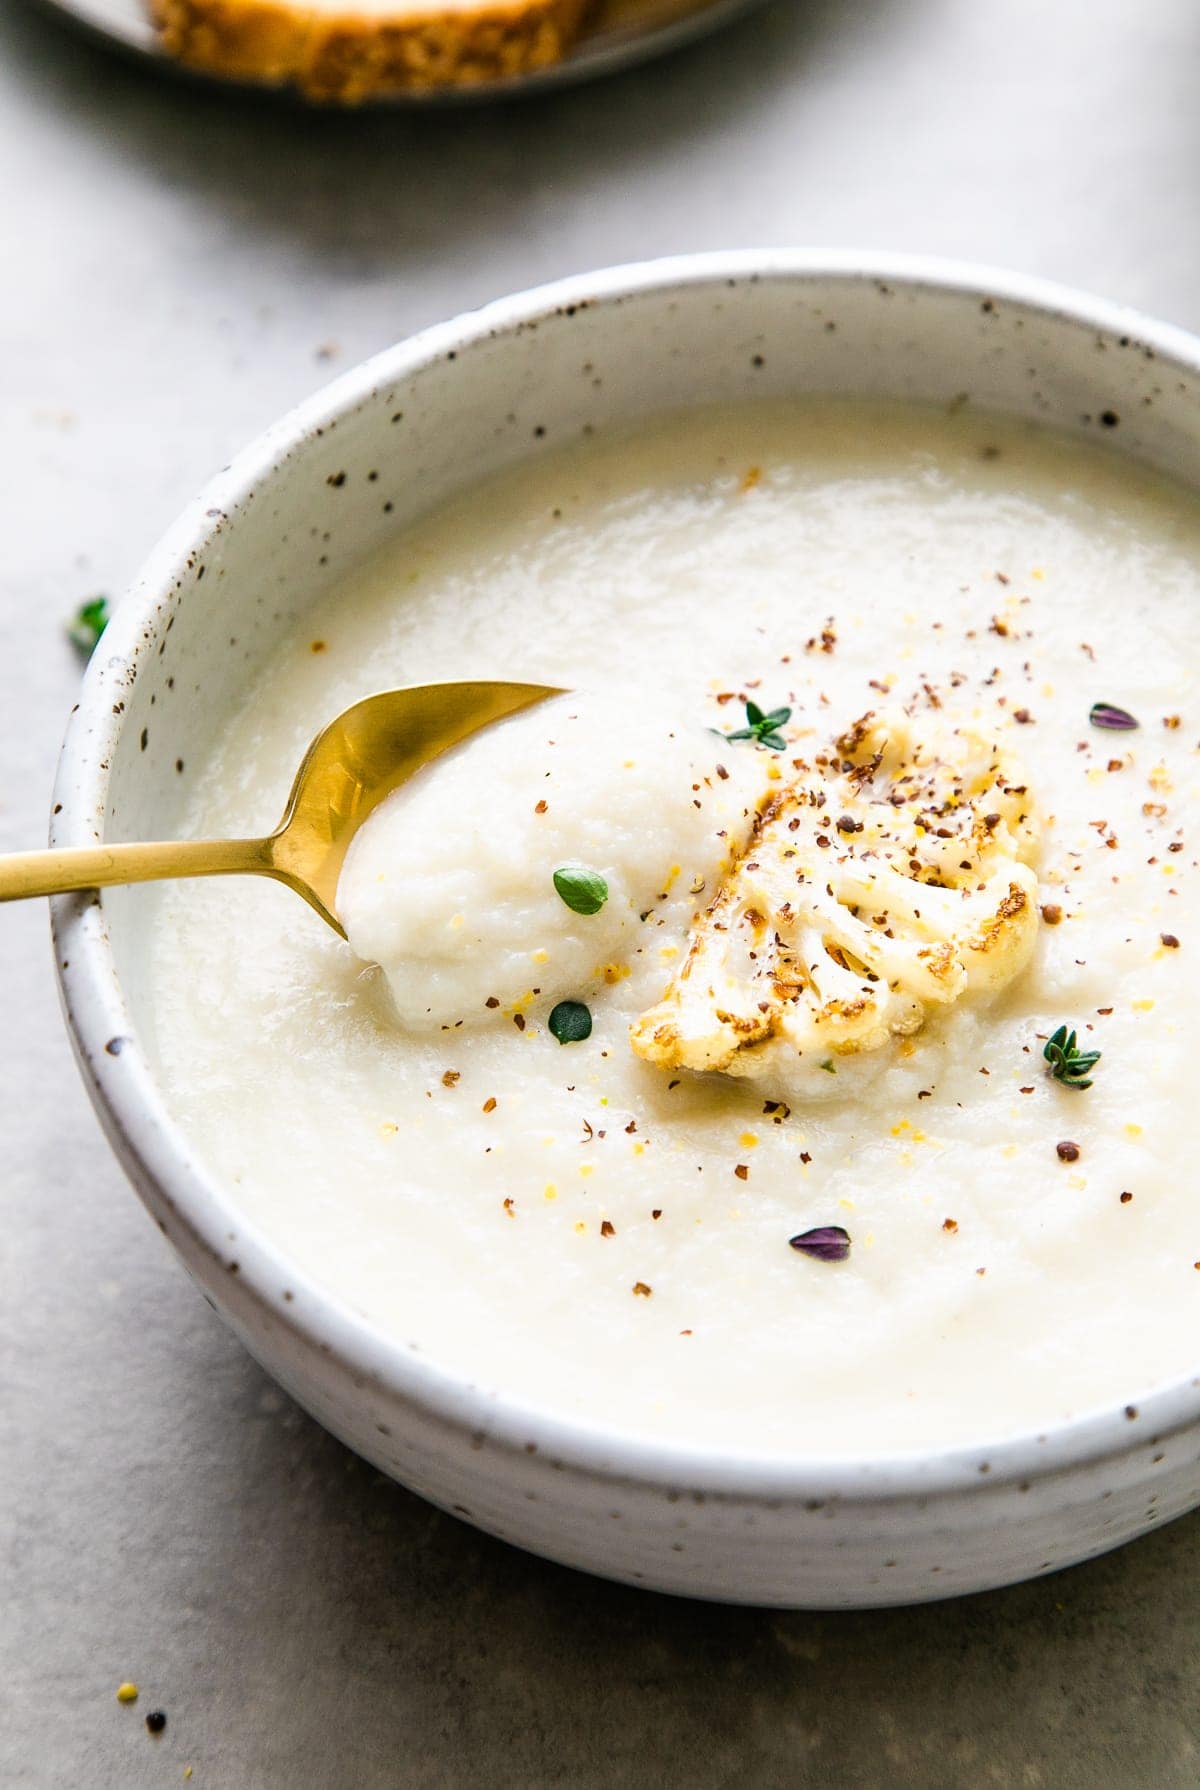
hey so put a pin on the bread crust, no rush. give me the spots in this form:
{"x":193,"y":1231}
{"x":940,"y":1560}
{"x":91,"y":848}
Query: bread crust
{"x":342,"y":57}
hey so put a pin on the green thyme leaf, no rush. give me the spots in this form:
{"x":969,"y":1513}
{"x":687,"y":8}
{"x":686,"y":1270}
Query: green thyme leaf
{"x":584,"y":891}
{"x":88,"y":623}
{"x":1068,"y":1064}
{"x":571,"y":1022}
{"x":763,"y":728}
{"x":828,"y":1066}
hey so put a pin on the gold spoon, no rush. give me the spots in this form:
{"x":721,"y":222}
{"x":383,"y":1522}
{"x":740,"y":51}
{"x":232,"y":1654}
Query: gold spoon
{"x":350,"y":767}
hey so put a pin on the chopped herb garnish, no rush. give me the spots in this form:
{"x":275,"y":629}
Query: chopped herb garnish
{"x":828,"y":1066}
{"x":584,"y":891}
{"x":827,"y":1243}
{"x":88,"y":623}
{"x":1068,"y":1064}
{"x":762,"y":728}
{"x":571,"y":1022}
{"x":1107,"y":714}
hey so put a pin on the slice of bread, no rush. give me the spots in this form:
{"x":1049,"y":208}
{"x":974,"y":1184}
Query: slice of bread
{"x":342,"y":51}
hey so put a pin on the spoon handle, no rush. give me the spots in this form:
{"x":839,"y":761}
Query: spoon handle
{"x":27,"y":873}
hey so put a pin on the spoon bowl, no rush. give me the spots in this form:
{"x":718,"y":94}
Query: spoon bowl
{"x":369,"y":750}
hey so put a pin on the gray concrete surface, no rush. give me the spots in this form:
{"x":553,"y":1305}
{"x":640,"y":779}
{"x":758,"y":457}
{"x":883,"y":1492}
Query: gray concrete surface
{"x":176,"y":267}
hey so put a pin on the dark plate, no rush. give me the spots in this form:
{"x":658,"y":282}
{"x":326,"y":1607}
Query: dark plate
{"x":623,"y":32}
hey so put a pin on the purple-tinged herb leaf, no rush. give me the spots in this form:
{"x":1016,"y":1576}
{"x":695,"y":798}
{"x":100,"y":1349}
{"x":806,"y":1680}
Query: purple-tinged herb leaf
{"x":828,"y":1243}
{"x":1107,"y":714}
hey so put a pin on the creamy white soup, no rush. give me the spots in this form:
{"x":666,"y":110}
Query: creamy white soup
{"x":700,"y":1062}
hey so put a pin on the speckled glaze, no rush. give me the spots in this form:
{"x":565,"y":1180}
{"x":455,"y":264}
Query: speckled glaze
{"x":332,"y":481}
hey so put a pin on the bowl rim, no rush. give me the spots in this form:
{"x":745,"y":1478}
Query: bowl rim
{"x":170,"y":1175}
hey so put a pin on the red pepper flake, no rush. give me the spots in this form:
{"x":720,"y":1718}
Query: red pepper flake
{"x":607,"y":1228}
{"x":510,"y":1207}
{"x":519,"y":1021}
{"x":641,"y":1289}
{"x":1104,"y":1011}
{"x":491,"y":1001}
{"x":1023,"y":716}
{"x":1169,"y":940}
{"x":950,"y":1224}
{"x":1052,"y":913}
{"x":1175,"y":845}
{"x":541,"y":807}
{"x":1126,"y":1197}
{"x":631,"y":1127}
{"x":1172,"y":721}
{"x":1067,"y":1151}
{"x":489,"y":1105}
{"x":722,"y":773}
{"x":450,"y":1077}
{"x":742,"y":1172}
{"x":1116,"y":764}
{"x":1026,"y":1090}
{"x":804,"y":1156}
{"x":657,"y":1212}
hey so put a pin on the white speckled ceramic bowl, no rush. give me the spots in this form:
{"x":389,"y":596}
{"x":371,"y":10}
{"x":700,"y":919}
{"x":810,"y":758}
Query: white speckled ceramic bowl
{"x":527,"y":376}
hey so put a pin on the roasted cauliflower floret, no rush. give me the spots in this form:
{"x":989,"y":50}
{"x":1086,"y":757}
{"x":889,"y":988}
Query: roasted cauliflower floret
{"x":890,"y":878}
